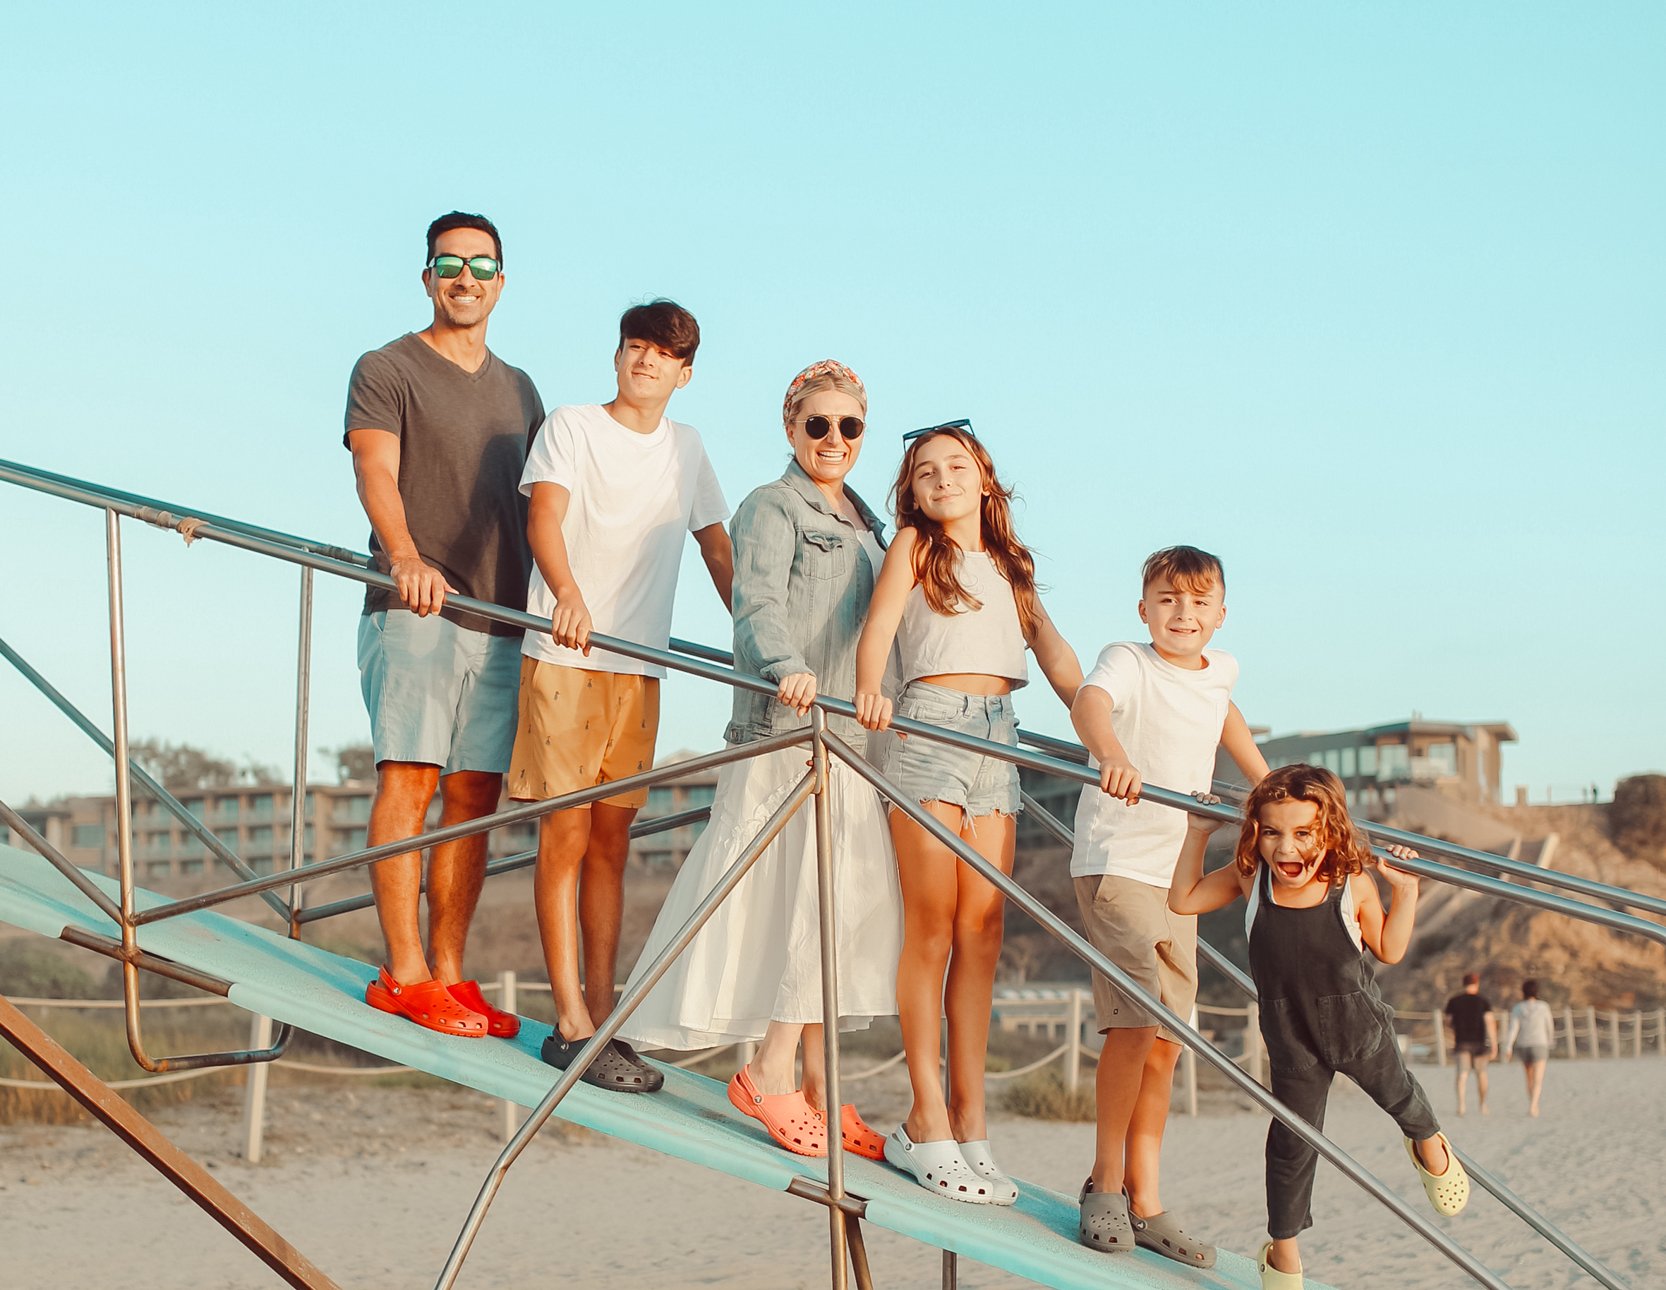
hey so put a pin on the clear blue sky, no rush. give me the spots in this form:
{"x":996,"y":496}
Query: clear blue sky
{"x":1367,"y":299}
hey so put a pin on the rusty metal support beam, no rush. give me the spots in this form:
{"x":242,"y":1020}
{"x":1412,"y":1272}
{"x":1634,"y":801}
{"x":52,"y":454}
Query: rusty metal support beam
{"x":148,"y":1142}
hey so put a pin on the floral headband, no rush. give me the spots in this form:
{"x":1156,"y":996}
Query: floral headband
{"x":829,"y":371}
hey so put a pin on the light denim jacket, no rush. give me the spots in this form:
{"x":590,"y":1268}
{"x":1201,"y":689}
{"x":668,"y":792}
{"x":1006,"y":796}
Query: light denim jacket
{"x":801,"y":592}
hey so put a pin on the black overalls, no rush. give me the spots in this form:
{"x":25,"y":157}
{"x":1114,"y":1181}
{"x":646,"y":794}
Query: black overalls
{"x":1321,"y":1015}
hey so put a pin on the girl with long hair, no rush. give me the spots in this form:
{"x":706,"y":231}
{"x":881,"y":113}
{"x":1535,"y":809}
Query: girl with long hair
{"x":957,"y":593}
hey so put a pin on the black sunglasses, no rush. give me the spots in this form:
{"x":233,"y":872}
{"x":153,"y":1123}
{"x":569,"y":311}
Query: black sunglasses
{"x":819,"y":427}
{"x":484,"y":267}
{"x":962,"y":424}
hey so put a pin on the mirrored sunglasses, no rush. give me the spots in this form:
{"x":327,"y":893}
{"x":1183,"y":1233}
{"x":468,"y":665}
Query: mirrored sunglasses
{"x":484,"y":267}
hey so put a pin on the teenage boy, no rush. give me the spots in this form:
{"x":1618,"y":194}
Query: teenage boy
{"x":438,"y":426}
{"x":1152,"y":711}
{"x":613,"y":488}
{"x":1474,"y":1037}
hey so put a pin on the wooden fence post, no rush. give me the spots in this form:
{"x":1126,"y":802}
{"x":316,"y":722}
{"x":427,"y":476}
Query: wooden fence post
{"x":1440,"y":1037}
{"x":1637,"y":1034}
{"x":1191,"y":1072}
{"x":512,"y":1112}
{"x":254,"y":1093}
{"x":1573,"y":1042}
{"x":1591,"y":1029}
{"x":1660,"y":1032}
{"x":1614,"y":1031}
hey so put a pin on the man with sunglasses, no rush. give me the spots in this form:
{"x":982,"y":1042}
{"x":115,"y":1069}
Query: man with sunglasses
{"x":438,"y":427}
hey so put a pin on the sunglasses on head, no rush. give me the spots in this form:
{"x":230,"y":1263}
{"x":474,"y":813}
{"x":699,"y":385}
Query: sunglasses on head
{"x":962,"y":424}
{"x":819,"y":427}
{"x":484,"y":267}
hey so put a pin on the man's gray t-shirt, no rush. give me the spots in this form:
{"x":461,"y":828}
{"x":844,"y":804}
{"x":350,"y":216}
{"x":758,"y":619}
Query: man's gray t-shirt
{"x":463,"y":438}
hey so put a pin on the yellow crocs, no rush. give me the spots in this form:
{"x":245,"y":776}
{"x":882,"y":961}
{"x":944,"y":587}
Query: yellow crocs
{"x":1448,"y":1192}
{"x":1271,"y":1277}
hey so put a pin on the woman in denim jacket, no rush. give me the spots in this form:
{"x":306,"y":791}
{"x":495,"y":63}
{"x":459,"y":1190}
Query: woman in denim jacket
{"x":807,"y":549}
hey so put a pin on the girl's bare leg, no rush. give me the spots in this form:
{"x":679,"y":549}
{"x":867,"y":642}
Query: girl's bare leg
{"x":930,"y":893}
{"x":814,"y":1065}
{"x":979,"y":911}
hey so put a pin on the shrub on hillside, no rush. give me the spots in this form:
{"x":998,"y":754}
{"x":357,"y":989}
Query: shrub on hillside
{"x":1637,"y":819}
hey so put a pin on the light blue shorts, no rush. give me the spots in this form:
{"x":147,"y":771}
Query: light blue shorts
{"x":929,"y":771}
{"x":438,"y":693}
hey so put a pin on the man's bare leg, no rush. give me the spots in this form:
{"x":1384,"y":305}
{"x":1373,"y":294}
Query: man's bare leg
{"x":457,"y":870}
{"x":1462,"y":1064}
{"x":403,"y":791}
{"x":601,"y":904}
{"x":562,"y":838}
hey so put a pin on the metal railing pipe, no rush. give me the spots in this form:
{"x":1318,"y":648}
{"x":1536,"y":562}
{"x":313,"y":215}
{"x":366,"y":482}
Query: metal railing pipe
{"x":513,"y":815}
{"x":503,"y":864}
{"x":145,"y":779}
{"x":615,"y":1021}
{"x":821,"y":772}
{"x":85,"y":885}
{"x":303,"y":705}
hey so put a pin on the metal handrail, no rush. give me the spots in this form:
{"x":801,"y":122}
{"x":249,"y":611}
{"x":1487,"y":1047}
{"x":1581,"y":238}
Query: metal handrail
{"x":704,"y":662}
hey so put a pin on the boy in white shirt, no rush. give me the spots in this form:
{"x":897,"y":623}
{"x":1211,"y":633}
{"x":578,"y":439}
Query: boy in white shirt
{"x":613,"y":488}
{"x":1150,"y":711}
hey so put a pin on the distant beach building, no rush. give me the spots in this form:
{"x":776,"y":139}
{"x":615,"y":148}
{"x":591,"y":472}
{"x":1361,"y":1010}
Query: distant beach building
{"x":1460,"y":759}
{"x":254,"y":822}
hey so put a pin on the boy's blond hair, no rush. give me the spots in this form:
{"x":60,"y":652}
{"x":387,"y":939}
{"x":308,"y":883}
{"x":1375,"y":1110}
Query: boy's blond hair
{"x":1187,"y":567}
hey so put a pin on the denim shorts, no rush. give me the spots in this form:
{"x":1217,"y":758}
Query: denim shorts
{"x":929,"y":771}
{"x":438,"y":693}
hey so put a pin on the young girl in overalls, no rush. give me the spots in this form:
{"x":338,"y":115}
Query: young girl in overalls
{"x":957,"y":592}
{"x":1312,"y":913}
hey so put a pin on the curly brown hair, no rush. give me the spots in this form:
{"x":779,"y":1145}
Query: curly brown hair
{"x":1346,"y":850}
{"x":936,"y":555}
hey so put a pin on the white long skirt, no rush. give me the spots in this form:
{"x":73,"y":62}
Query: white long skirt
{"x":758,"y":959}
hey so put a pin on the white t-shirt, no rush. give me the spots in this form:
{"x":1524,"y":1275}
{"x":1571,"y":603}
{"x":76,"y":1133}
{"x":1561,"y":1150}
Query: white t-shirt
{"x":632,"y":498}
{"x":1168,"y":720}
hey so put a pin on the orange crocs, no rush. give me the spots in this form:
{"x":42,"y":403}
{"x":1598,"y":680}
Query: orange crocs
{"x":428,"y":1003}
{"x":500,"y":1024}
{"x":858,"y":1138}
{"x":787,"y":1116}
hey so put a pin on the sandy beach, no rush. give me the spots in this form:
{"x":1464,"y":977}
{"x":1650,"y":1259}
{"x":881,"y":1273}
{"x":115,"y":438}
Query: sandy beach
{"x":375,"y":1205}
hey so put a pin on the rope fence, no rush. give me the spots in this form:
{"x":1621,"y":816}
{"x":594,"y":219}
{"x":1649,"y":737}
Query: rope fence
{"x":1058,"y":1013}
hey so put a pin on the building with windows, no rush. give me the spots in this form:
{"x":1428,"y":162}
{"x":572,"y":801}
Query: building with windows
{"x":253,"y":821}
{"x":1463,"y":759}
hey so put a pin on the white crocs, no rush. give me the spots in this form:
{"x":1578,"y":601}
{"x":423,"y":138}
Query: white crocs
{"x":938,"y":1167}
{"x":1003,"y":1191}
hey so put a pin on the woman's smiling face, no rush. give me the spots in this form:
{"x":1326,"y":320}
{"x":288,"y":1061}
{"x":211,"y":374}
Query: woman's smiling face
{"x":828,"y":460}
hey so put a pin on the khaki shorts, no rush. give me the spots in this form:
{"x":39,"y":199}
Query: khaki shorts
{"x":579,"y":728}
{"x":1130,"y":923}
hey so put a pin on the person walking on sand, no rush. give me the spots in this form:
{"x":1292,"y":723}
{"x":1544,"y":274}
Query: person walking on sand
{"x":1474,"y":1037}
{"x":1533,"y":1026}
{"x":438,"y":427}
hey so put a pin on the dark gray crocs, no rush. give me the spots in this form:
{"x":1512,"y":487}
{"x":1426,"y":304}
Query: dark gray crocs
{"x":617,"y":1068}
{"x":1105,"y":1224}
{"x":1162,"y":1235}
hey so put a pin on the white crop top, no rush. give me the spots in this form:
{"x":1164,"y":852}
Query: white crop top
{"x":987,"y":640}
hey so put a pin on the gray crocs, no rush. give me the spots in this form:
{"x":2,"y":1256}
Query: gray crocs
{"x":1105,"y":1224}
{"x":1162,"y":1235}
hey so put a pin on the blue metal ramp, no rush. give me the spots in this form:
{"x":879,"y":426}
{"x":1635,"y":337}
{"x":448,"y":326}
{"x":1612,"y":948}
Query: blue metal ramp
{"x":690,"y":1119}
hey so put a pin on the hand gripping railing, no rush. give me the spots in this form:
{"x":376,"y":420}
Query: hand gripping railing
{"x":700,"y":661}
